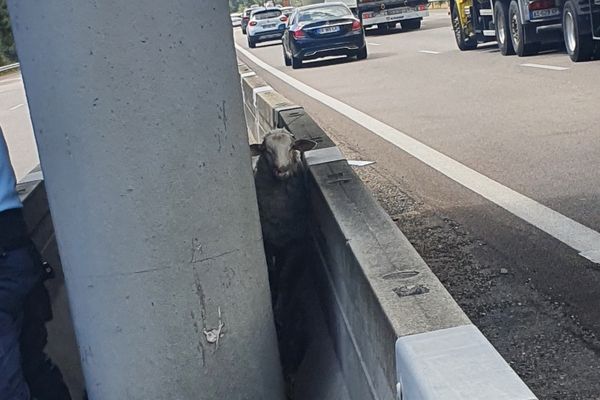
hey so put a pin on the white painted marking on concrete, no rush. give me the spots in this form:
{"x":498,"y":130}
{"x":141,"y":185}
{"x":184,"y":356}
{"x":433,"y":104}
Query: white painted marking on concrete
{"x":373,"y":44}
{"x":455,"y":364}
{"x":542,"y":66}
{"x":258,"y":90}
{"x":15,"y":107}
{"x":575,"y":235}
{"x":360,"y":163}
{"x":322,"y":156}
{"x":429,"y":52}
{"x":32,"y":177}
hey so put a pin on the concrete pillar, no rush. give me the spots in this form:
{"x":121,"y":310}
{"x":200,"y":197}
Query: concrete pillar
{"x":137,"y":112}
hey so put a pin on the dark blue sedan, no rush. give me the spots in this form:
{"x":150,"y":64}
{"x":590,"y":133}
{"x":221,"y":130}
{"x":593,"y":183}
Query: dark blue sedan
{"x":323,"y":30}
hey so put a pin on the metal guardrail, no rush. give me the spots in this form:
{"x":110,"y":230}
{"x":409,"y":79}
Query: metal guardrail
{"x":9,"y":67}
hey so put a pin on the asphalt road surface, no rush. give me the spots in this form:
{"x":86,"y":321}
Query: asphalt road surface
{"x":490,"y":165}
{"x":16,"y":124}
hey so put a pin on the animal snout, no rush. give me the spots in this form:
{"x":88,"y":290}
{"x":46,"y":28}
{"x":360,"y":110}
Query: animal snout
{"x":281,"y":169}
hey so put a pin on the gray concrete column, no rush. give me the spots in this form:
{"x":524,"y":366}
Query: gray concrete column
{"x":137,"y":112}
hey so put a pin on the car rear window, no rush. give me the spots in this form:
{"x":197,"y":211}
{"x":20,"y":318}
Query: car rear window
{"x":267,"y":14}
{"x":316,"y":14}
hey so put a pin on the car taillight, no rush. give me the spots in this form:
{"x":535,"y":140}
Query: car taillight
{"x":541,"y":5}
{"x":356,"y":26}
{"x":299,"y":34}
{"x":252,"y":23}
{"x":283,"y":18}
{"x":422,"y":7}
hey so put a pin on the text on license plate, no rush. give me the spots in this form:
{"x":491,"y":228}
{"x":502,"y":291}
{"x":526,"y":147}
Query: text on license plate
{"x":329,"y":29}
{"x":400,"y":10}
{"x":549,"y":12}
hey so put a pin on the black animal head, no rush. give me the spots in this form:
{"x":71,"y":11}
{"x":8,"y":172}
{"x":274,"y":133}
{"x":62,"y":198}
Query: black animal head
{"x":281,"y":151}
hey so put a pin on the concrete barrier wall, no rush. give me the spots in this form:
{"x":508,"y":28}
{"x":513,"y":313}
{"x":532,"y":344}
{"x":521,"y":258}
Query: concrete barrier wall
{"x":397,"y":332}
{"x":261,"y":104}
{"x":62,"y":346}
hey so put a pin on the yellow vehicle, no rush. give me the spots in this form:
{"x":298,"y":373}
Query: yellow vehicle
{"x":519,"y":26}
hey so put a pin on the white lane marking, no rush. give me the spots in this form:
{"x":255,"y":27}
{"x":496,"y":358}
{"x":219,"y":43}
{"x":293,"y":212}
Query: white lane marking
{"x":575,"y":235}
{"x":429,"y":52}
{"x":15,"y":107}
{"x":542,"y":66}
{"x":373,"y":44}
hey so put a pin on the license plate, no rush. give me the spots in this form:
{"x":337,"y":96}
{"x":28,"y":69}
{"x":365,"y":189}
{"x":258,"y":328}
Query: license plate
{"x":329,"y":29}
{"x":549,"y":12}
{"x":400,"y":10}
{"x":267,"y":26}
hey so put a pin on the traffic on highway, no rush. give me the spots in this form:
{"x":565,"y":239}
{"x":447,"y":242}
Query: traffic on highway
{"x":480,"y":121}
{"x":518,"y":27}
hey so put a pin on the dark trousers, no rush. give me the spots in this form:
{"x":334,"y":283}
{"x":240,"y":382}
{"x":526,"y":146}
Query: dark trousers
{"x":25,"y":370}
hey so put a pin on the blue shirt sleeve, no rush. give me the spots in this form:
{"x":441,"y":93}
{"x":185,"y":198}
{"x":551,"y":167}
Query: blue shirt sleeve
{"x":9,"y":198}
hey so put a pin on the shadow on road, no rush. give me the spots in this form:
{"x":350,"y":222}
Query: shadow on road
{"x":375,"y":56}
{"x":327,"y":62}
{"x":268,"y":44}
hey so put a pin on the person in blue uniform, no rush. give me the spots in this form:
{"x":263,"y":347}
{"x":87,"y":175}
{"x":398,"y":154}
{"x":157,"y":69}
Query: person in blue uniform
{"x":26,"y":373}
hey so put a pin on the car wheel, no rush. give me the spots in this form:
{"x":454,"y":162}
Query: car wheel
{"x":251,"y":42}
{"x":243,"y":31}
{"x":411,"y":24}
{"x":520,"y":35}
{"x":502,"y":30}
{"x":286,"y":59}
{"x":579,"y":46}
{"x":296,"y":62}
{"x":362,"y":54}
{"x":463,"y":42}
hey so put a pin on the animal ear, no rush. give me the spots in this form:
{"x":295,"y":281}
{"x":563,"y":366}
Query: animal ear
{"x":303,"y":145}
{"x":257,"y":149}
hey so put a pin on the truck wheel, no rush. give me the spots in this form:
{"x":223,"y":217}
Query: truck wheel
{"x":579,"y":46}
{"x":382,"y":29}
{"x":464,"y":43}
{"x":520,"y":35}
{"x":502,"y":30}
{"x":296,"y":62}
{"x":286,"y":59}
{"x":411,"y":24}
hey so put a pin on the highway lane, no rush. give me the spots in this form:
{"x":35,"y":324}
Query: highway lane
{"x":531,"y":129}
{"x":530,"y":124}
{"x":16,"y":124}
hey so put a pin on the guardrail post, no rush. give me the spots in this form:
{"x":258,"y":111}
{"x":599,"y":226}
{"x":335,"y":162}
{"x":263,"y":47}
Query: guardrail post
{"x":138,"y":116}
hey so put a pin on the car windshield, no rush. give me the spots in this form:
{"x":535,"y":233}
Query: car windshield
{"x":266,"y":14}
{"x":316,"y":14}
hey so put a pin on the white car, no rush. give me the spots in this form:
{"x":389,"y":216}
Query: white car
{"x":265,"y":24}
{"x":236,"y":21}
